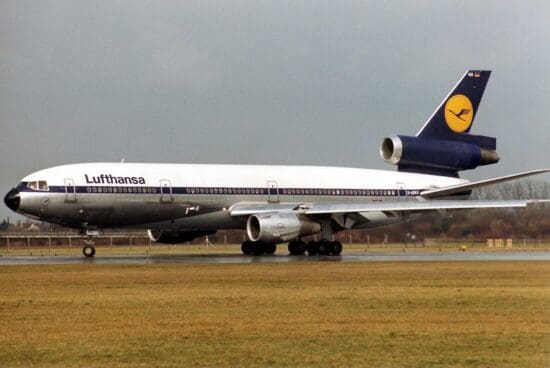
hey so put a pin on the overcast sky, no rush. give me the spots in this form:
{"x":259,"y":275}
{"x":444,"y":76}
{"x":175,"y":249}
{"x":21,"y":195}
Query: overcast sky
{"x":287,"y":82}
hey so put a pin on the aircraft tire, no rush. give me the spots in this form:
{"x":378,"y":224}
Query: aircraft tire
{"x":257,"y":249}
{"x":335,"y":248}
{"x":270,"y":248}
{"x":247,"y":248}
{"x":324,"y":247}
{"x":296,"y":247}
{"x":88,"y":251}
{"x":312,"y":248}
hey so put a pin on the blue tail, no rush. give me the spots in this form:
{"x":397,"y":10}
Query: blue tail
{"x":444,"y":145}
{"x":456,"y":113}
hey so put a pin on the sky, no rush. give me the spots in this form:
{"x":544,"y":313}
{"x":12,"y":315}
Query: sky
{"x":270,"y":82}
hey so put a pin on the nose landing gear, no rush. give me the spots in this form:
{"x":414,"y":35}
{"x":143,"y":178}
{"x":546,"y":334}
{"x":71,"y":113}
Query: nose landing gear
{"x":88,"y":250}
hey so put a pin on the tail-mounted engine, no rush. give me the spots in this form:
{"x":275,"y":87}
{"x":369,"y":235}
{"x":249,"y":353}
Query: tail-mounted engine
{"x":435,"y":156}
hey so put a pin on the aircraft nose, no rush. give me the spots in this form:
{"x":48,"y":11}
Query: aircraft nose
{"x":13,"y":199}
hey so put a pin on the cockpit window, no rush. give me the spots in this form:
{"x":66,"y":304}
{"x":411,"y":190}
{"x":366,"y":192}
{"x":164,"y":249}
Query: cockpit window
{"x":43,"y":185}
{"x":23,"y":184}
{"x":35,"y":185}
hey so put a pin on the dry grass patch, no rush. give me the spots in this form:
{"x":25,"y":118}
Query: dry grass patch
{"x":476,"y":314}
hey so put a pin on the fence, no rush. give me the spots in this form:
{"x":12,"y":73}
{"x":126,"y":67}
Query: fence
{"x":51,"y":242}
{"x":14,"y":240}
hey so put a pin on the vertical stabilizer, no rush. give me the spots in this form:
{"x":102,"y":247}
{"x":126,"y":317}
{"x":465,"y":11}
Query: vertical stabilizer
{"x":455,"y":114}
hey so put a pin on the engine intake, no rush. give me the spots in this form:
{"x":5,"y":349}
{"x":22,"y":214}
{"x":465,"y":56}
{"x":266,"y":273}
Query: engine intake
{"x":279,"y":227}
{"x":176,"y":236}
{"x":426,"y":155}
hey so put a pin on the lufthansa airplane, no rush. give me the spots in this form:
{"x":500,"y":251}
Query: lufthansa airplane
{"x":276,"y":204}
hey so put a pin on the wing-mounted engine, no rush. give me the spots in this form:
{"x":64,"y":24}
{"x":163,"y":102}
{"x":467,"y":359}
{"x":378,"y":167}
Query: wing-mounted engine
{"x":176,"y":236}
{"x":438,"y":156}
{"x":279,"y":227}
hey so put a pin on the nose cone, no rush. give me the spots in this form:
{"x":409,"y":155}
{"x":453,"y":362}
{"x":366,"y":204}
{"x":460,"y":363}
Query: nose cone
{"x":12,"y":199}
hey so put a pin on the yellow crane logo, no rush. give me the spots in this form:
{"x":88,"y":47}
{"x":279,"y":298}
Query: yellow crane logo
{"x":459,"y":113}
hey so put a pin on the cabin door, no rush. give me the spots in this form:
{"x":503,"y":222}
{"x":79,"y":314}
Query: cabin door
{"x":272,"y":192}
{"x":166,"y":195}
{"x":70,"y":191}
{"x":401,"y":191}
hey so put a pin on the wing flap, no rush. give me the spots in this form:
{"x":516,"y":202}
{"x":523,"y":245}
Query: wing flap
{"x":250,"y":208}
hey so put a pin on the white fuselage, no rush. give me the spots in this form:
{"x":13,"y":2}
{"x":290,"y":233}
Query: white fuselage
{"x":106,"y":195}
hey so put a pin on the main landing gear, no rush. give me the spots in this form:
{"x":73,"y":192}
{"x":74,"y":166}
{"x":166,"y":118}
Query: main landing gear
{"x":323,"y":247}
{"x":251,"y":248}
{"x":296,"y":247}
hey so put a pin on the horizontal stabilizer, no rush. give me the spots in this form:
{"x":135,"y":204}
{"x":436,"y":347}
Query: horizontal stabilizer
{"x":453,"y":189}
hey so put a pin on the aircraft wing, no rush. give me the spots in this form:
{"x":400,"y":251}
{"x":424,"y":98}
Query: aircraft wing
{"x":445,"y":191}
{"x":246,"y":209}
{"x":415,"y":206}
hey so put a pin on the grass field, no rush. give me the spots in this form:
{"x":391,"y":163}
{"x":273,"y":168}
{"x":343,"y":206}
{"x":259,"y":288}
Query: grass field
{"x":476,"y":314}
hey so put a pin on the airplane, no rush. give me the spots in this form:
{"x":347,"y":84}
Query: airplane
{"x":177,"y":203}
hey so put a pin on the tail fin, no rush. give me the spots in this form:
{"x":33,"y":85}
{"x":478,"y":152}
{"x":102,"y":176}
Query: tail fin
{"x":456,"y":113}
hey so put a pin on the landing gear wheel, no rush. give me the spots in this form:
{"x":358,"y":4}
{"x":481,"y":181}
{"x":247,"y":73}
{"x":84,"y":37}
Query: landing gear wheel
{"x":88,"y":251}
{"x":258,"y":249}
{"x":312,"y":248}
{"x":324,"y":247}
{"x":247,"y":248}
{"x":296,"y":247}
{"x":270,"y":248}
{"x":335,"y":248}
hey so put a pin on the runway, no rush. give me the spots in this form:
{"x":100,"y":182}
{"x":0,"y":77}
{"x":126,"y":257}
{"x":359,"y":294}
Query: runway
{"x":240,"y":259}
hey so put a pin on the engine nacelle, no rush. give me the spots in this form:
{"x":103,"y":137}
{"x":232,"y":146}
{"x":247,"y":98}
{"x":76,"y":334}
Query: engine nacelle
{"x":444,"y":155}
{"x":279,"y":227}
{"x":176,"y":236}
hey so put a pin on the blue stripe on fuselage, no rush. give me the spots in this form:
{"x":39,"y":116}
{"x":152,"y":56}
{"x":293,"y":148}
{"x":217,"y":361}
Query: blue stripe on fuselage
{"x":229,"y":191}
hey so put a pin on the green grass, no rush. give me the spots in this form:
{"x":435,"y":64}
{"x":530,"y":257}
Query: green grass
{"x":318,"y":314}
